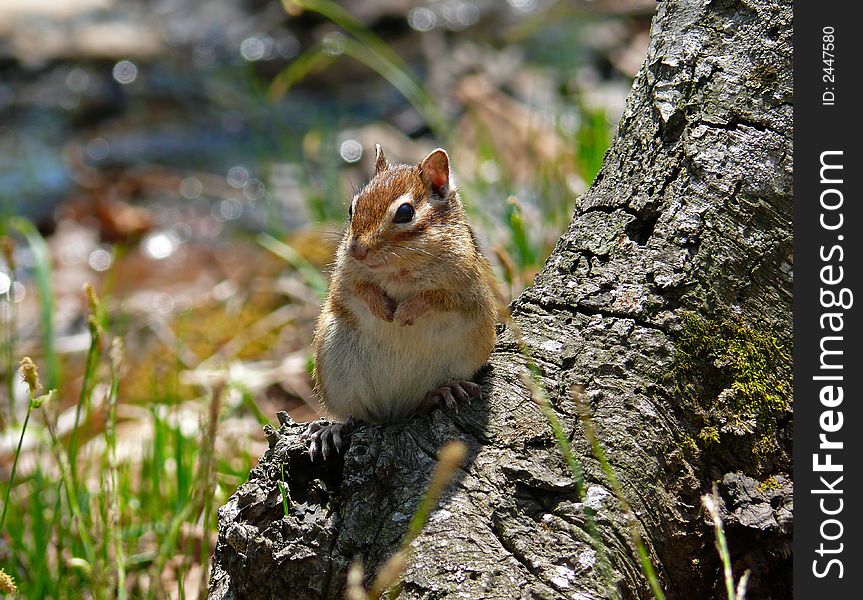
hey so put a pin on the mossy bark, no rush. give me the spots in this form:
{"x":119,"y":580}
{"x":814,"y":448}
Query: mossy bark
{"x":688,"y":224}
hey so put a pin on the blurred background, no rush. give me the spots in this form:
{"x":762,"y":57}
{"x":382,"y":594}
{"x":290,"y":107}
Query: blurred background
{"x":192,"y":161}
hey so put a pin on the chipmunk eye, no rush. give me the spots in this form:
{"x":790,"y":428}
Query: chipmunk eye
{"x":351,"y":211}
{"x":404,"y":214}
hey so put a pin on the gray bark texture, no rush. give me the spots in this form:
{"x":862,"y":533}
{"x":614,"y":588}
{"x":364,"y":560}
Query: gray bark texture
{"x":668,"y":302}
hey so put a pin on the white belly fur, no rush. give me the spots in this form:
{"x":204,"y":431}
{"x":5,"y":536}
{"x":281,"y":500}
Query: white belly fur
{"x":381,"y":371}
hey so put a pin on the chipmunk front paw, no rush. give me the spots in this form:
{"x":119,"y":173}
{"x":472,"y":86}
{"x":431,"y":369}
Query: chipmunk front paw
{"x":408,"y":311}
{"x":444,"y":396}
{"x":385,"y":309}
{"x":379,"y":304}
{"x":328,"y":439}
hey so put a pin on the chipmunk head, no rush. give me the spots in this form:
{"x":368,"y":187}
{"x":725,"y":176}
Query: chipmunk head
{"x":405,"y":215}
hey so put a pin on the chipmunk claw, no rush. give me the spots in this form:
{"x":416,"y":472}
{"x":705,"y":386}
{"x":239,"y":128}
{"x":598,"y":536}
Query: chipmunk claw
{"x":444,"y":396}
{"x":328,"y":439}
{"x":470,"y":389}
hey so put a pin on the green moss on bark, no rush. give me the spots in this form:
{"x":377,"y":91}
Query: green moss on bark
{"x":735,"y":380}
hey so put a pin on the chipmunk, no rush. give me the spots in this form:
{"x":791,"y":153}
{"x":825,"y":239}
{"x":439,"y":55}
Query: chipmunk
{"x":410,"y":313}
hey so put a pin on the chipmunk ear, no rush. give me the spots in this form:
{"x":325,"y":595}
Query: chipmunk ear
{"x":434,"y":170}
{"x":380,"y":159}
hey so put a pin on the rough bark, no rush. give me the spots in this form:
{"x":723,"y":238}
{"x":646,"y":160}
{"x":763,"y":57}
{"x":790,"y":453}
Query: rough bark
{"x":685,"y":232}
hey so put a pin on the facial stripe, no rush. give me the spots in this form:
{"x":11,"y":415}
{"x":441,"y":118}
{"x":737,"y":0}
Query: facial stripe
{"x":408,"y":234}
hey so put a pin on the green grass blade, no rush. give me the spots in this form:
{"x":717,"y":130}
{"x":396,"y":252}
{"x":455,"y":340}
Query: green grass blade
{"x":115,"y":520}
{"x":9,"y":334}
{"x":311,"y":61}
{"x":371,"y":50}
{"x":86,"y":391}
{"x":711,"y":504}
{"x":403,"y":82}
{"x":310,"y":274}
{"x":44,"y":277}
{"x":283,"y":490}
{"x":14,"y":468}
{"x":344,"y":19}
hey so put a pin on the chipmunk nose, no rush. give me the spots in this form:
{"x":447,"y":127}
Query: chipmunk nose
{"x":357,"y":250}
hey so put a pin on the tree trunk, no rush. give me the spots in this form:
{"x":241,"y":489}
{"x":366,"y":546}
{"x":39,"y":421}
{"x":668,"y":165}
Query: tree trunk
{"x":668,"y":301}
